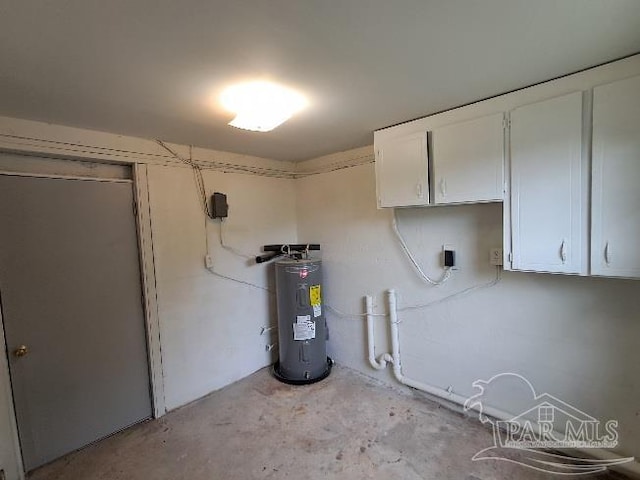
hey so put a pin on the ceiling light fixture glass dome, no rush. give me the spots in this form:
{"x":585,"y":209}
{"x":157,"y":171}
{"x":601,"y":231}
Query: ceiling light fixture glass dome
{"x":261,"y":106}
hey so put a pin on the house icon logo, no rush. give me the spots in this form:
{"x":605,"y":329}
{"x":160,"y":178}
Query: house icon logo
{"x":545,"y":426}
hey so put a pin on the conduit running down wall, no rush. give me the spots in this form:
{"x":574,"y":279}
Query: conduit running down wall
{"x":631,"y":468}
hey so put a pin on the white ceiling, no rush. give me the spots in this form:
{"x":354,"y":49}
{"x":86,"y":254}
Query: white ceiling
{"x":152,"y":68}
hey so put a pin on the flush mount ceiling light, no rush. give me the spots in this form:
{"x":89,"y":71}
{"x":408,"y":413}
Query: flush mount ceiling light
{"x":261,"y":106}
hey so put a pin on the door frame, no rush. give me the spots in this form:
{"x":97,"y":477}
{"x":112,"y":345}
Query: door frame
{"x":144,"y":231}
{"x":142,"y":212}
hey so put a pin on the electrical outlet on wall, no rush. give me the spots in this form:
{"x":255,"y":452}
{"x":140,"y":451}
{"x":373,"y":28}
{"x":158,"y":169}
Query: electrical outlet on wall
{"x":495,"y":256}
{"x":208,"y":261}
{"x":450,"y":257}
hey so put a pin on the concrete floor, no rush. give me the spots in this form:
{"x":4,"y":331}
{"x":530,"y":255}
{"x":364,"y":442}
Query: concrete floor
{"x":346,"y":427}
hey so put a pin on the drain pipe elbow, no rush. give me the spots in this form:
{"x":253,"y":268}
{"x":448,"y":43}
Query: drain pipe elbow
{"x":381,"y":362}
{"x":397,"y":366}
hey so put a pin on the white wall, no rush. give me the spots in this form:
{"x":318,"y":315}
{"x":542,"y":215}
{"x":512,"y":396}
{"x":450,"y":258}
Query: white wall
{"x":210,"y":326}
{"x":575,"y":338}
{"x":572,"y":337}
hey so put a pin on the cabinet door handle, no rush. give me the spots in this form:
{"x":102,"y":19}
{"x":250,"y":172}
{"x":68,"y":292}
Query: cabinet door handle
{"x":443,"y":187}
{"x":563,"y":251}
{"x":419,"y":190}
{"x":607,"y":254}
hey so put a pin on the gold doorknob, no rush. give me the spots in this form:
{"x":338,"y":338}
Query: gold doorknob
{"x":21,"y":351}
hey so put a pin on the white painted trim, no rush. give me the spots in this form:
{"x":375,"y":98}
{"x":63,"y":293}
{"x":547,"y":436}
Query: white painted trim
{"x":148,"y":276}
{"x":335,"y":161}
{"x":60,"y":149}
{"x":16,"y":467}
{"x":587,"y":171}
{"x":65,"y":177}
{"x":57,"y":141}
{"x":43,"y":139}
{"x":506,"y":203}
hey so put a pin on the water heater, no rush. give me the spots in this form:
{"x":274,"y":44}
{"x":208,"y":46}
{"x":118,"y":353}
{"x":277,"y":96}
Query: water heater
{"x":302,"y":327}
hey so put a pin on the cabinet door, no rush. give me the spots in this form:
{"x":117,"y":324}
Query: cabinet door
{"x":401,"y":170}
{"x":615,"y":247}
{"x":468,"y":161}
{"x":547,"y":203}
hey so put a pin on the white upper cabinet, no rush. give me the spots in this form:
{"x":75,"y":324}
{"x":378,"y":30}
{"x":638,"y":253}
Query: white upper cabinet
{"x":401,"y":168}
{"x":615,"y":226}
{"x":547,"y":194}
{"x":467,"y":161}
{"x":566,"y":165}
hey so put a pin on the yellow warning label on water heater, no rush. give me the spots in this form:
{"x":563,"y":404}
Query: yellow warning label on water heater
{"x":314,"y":295}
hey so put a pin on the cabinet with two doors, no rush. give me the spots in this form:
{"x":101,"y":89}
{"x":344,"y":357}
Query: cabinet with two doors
{"x":457,"y":163}
{"x":572,"y":192}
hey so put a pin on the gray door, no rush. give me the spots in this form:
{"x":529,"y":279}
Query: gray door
{"x":70,"y":293}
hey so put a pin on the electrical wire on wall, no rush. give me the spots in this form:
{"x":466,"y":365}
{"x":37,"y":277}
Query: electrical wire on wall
{"x":461,"y":293}
{"x":197,"y":174}
{"x":259,"y":287}
{"x":414,"y":262}
{"x":224,"y":245}
{"x":202,"y":194}
{"x":338,"y":313}
{"x":446,"y":275}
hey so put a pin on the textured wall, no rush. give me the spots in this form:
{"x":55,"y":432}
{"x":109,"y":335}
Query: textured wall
{"x":210,"y":326}
{"x":575,"y":338}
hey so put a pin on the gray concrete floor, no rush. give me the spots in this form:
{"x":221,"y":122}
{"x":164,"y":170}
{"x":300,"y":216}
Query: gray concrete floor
{"x":346,"y":427}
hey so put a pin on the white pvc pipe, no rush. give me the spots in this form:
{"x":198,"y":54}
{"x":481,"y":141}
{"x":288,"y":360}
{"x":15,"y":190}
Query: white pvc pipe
{"x":397,"y":364}
{"x":631,"y":468}
{"x":383,"y":359}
